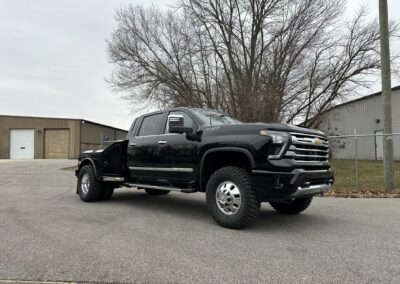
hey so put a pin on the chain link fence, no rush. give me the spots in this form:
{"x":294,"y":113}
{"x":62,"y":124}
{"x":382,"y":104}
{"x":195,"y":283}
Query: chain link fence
{"x":358,"y":160}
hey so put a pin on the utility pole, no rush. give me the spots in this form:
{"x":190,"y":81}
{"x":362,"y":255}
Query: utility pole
{"x":386,"y":96}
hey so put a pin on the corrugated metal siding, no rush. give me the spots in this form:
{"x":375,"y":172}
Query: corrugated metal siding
{"x":39,"y":125}
{"x":94,"y":134}
{"x":361,"y":115}
{"x":120,"y":135}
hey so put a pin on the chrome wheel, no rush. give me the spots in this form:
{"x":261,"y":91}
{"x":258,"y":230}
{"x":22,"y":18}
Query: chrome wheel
{"x":228,"y":198}
{"x":85,"y":183}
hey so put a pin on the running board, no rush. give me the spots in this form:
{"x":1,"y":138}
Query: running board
{"x":148,"y":186}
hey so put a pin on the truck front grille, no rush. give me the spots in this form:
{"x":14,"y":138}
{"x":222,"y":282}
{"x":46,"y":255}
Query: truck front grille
{"x":306,"y":148}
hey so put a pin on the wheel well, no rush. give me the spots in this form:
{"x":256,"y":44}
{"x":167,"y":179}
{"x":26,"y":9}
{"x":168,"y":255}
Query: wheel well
{"x":84,"y":163}
{"x":88,"y":162}
{"x":220,"y":159}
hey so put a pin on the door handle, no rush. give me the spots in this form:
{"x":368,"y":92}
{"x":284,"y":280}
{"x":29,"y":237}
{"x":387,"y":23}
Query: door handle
{"x":162,"y":142}
{"x":132,"y":144}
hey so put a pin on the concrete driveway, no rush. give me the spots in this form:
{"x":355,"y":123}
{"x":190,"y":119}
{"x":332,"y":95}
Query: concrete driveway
{"x":47,"y":233}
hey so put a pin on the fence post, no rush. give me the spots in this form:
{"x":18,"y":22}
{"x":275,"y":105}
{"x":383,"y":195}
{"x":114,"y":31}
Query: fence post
{"x":356,"y":161}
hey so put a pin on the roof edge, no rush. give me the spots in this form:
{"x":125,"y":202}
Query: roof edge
{"x":363,"y":98}
{"x":64,"y":118}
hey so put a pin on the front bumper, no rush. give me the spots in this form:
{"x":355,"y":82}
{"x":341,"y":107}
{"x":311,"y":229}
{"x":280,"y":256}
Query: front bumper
{"x":272,"y":185}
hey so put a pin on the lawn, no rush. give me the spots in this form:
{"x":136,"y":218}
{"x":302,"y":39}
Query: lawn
{"x":371,"y":176}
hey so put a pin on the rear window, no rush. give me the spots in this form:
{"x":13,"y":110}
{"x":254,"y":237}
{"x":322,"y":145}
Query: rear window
{"x":150,"y":125}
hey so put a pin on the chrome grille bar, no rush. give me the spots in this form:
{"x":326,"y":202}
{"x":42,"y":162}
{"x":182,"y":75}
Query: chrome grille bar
{"x":306,"y":148}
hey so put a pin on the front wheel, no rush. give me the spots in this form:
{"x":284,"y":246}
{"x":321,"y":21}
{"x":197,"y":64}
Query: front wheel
{"x":231,"y":199}
{"x":294,"y":206}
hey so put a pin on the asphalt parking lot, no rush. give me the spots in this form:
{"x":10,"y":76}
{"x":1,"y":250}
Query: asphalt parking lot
{"x":48,"y":234}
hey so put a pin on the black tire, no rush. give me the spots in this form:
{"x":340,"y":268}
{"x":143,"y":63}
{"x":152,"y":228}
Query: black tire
{"x":156,"y":191}
{"x":294,"y":206}
{"x":106,"y":192}
{"x":93,"y":190}
{"x":249,"y":207}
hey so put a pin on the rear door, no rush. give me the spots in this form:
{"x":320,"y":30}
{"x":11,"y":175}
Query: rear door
{"x":143,"y":145}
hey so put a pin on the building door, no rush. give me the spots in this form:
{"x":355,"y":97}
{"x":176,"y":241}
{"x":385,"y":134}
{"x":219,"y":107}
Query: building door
{"x":379,"y":146}
{"x":22,"y":144}
{"x":56,"y":144}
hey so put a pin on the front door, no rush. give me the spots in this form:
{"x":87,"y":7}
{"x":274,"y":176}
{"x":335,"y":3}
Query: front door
{"x":177,"y":156}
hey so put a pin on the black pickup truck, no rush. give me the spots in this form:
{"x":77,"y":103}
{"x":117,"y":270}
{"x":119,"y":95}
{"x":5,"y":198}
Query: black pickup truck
{"x":238,"y":165}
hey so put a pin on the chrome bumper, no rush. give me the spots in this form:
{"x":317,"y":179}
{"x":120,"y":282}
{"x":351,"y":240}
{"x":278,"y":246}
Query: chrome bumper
{"x":311,"y":190}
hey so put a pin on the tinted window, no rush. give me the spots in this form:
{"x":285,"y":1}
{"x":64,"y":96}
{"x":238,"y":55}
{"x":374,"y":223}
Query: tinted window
{"x":130,"y":133}
{"x":150,"y":125}
{"x":187,"y":120}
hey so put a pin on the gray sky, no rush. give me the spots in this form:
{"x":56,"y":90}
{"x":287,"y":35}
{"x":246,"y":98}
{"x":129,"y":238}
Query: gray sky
{"x":53,"y":60}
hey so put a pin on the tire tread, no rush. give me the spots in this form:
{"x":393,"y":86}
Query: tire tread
{"x":253,"y":205}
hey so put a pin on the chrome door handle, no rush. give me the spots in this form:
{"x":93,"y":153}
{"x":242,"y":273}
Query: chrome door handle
{"x":162,"y":142}
{"x":132,"y":144}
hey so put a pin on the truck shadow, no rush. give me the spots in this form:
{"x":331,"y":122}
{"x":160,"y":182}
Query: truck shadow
{"x":194,"y":206}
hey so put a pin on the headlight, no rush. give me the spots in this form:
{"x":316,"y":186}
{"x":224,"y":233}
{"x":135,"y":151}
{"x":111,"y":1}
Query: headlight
{"x":276,"y":137}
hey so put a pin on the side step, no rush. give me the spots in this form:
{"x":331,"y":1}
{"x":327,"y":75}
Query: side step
{"x":148,"y":186}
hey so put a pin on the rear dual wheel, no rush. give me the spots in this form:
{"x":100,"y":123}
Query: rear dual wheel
{"x":90,"y":189}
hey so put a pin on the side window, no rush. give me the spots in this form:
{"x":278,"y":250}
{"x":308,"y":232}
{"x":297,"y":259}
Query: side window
{"x":150,"y":125}
{"x":188,"y":122}
{"x":130,"y":133}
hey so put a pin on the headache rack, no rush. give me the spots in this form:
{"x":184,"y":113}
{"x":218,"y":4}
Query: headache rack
{"x":306,"y":148}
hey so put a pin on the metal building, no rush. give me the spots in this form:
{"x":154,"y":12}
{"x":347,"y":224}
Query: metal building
{"x":24,"y":137}
{"x":364,"y":116}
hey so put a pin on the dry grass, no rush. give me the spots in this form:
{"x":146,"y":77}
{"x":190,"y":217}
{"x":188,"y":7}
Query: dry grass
{"x":371,"y":176}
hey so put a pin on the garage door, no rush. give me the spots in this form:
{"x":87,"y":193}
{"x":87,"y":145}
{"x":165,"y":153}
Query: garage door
{"x":22,"y":144}
{"x":56,"y":143}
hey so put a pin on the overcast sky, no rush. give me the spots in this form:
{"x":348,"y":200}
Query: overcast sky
{"x":53,"y":60}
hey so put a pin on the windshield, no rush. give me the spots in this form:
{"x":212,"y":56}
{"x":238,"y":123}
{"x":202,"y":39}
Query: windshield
{"x":213,"y":117}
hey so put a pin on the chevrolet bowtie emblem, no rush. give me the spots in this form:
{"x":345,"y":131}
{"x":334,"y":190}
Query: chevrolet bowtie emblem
{"x":317,"y":141}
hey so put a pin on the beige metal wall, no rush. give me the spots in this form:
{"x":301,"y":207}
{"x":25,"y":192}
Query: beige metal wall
{"x":83,"y":135}
{"x":39,"y":125}
{"x":120,"y":135}
{"x":93,"y":134}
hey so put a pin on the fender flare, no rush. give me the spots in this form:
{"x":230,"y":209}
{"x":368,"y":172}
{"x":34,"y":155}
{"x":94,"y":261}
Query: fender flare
{"x":87,"y":161}
{"x":224,"y":149}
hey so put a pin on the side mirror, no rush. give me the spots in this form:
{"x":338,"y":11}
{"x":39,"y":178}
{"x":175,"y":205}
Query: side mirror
{"x":176,"y":124}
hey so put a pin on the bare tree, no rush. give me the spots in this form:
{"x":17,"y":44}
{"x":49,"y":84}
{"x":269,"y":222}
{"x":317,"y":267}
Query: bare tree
{"x":257,"y":60}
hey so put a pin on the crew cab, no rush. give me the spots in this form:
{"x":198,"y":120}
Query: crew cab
{"x":237,"y":165}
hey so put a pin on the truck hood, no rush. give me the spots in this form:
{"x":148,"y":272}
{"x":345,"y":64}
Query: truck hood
{"x":292,"y":128}
{"x":252,"y":127}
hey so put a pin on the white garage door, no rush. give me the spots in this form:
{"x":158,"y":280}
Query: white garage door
{"x":22,"y":144}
